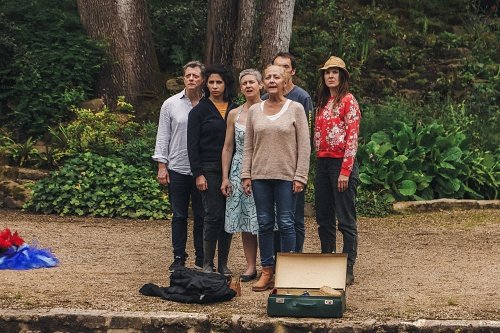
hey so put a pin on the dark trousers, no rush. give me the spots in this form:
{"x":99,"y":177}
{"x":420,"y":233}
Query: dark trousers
{"x":181,"y":189}
{"x":332,"y":205}
{"x":300,"y":230}
{"x":214,"y":203}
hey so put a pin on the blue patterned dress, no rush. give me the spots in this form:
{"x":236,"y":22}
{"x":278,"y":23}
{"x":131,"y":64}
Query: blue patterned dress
{"x":240,"y":208}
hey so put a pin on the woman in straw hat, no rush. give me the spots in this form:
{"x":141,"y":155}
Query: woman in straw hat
{"x":336,"y":142}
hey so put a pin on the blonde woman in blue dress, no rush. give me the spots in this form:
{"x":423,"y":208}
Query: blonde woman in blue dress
{"x":240,"y":208}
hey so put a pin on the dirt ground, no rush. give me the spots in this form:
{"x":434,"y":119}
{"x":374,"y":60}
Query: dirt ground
{"x":442,"y":265}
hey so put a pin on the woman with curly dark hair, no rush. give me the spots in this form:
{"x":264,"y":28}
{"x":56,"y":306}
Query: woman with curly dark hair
{"x":205,"y":137}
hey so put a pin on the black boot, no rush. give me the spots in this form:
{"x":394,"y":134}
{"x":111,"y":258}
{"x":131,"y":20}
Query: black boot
{"x":350,"y":274}
{"x":209,"y":254}
{"x":224,"y":246}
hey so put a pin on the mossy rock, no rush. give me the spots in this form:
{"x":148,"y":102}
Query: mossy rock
{"x":8,"y":172}
{"x":13,"y":194}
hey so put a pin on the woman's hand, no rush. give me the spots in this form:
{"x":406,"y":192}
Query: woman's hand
{"x":298,"y":186}
{"x":247,"y":186}
{"x":343,"y":183}
{"x":226,"y":187}
{"x":201,"y":183}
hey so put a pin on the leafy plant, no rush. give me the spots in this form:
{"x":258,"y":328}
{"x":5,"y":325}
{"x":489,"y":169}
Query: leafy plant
{"x":175,"y":46}
{"x":100,"y":132}
{"x":47,"y":63}
{"x":422,"y":163}
{"x":372,"y":203}
{"x":20,"y":154}
{"x":94,"y":185}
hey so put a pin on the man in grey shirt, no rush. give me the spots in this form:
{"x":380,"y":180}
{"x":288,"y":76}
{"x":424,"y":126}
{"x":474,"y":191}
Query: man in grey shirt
{"x":297,"y":94}
{"x":173,"y":165}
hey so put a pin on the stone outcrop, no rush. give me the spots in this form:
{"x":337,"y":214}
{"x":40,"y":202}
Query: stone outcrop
{"x":13,"y":190}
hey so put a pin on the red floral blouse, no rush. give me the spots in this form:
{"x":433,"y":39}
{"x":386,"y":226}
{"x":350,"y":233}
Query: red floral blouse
{"x":336,"y":131}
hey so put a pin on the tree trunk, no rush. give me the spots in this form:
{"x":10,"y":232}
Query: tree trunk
{"x":132,"y":70}
{"x":221,"y":25}
{"x":243,"y":50}
{"x":276,"y":28}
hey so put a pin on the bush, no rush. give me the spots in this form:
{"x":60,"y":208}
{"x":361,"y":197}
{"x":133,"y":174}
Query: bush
{"x":372,"y":203}
{"x":94,"y":185}
{"x":47,"y":63}
{"x":176,"y":46}
{"x":425,"y":163}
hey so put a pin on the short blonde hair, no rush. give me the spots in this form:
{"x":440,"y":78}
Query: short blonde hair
{"x":250,"y":71}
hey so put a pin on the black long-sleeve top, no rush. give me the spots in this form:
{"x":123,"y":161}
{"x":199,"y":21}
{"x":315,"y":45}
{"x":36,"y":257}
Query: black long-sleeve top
{"x":205,"y":135}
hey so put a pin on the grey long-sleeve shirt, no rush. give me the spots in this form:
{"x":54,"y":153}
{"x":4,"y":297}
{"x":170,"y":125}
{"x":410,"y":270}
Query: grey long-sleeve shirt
{"x":171,"y":138}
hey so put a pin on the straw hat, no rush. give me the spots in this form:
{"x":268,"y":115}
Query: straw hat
{"x":334,"y":61}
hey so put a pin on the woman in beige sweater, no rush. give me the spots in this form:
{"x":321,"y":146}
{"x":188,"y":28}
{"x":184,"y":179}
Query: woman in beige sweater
{"x":275,"y":166}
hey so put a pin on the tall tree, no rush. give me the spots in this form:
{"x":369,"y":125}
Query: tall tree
{"x":243,"y":49}
{"x":124,"y":27}
{"x":221,"y":25}
{"x":275,"y":28}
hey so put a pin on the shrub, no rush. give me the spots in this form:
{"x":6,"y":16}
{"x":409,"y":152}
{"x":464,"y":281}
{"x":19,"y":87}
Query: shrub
{"x":425,"y":163}
{"x":94,"y":185}
{"x":372,"y":203}
{"x":102,"y":132}
{"x":175,"y":46}
{"x":47,"y":63}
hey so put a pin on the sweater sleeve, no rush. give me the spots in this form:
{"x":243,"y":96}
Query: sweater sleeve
{"x":303,"y":144}
{"x":352,"y":117}
{"x":193,"y":141}
{"x":246,"y":168}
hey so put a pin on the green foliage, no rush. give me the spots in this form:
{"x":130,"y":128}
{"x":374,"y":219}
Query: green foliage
{"x":102,"y":132}
{"x":178,"y":31}
{"x":139,"y":146}
{"x":94,"y":185}
{"x":46,"y":63}
{"x":22,"y":154}
{"x":372,"y":203}
{"x":426,"y":163}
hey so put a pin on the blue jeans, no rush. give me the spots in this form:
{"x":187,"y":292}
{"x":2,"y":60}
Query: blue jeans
{"x":180,"y":190}
{"x":269,"y":194}
{"x":332,"y":205}
{"x":300,"y":229}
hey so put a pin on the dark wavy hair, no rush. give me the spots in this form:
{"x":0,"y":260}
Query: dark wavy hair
{"x":227,"y":77}
{"x":324,"y":91}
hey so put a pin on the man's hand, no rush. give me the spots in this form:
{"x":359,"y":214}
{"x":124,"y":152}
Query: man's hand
{"x":163,"y":176}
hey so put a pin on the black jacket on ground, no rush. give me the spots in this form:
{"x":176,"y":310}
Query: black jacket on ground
{"x":205,"y":135}
{"x":190,"y":286}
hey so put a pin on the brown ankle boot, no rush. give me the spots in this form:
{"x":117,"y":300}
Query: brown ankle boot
{"x":266,"y":280}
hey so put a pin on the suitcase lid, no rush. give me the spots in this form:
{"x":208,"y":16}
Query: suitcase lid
{"x":310,"y":270}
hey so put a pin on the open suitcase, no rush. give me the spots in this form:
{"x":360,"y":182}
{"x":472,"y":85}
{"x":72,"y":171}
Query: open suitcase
{"x":308,"y":285}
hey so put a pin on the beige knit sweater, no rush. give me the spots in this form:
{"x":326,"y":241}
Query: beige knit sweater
{"x":276,"y":149}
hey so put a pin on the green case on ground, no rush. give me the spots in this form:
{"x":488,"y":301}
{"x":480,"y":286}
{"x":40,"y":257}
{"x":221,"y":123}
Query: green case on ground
{"x":300,"y":282}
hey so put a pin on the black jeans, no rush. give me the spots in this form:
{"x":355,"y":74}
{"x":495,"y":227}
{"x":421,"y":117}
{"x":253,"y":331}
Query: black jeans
{"x":214,"y":203}
{"x":331,"y":204}
{"x":180,"y":189}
